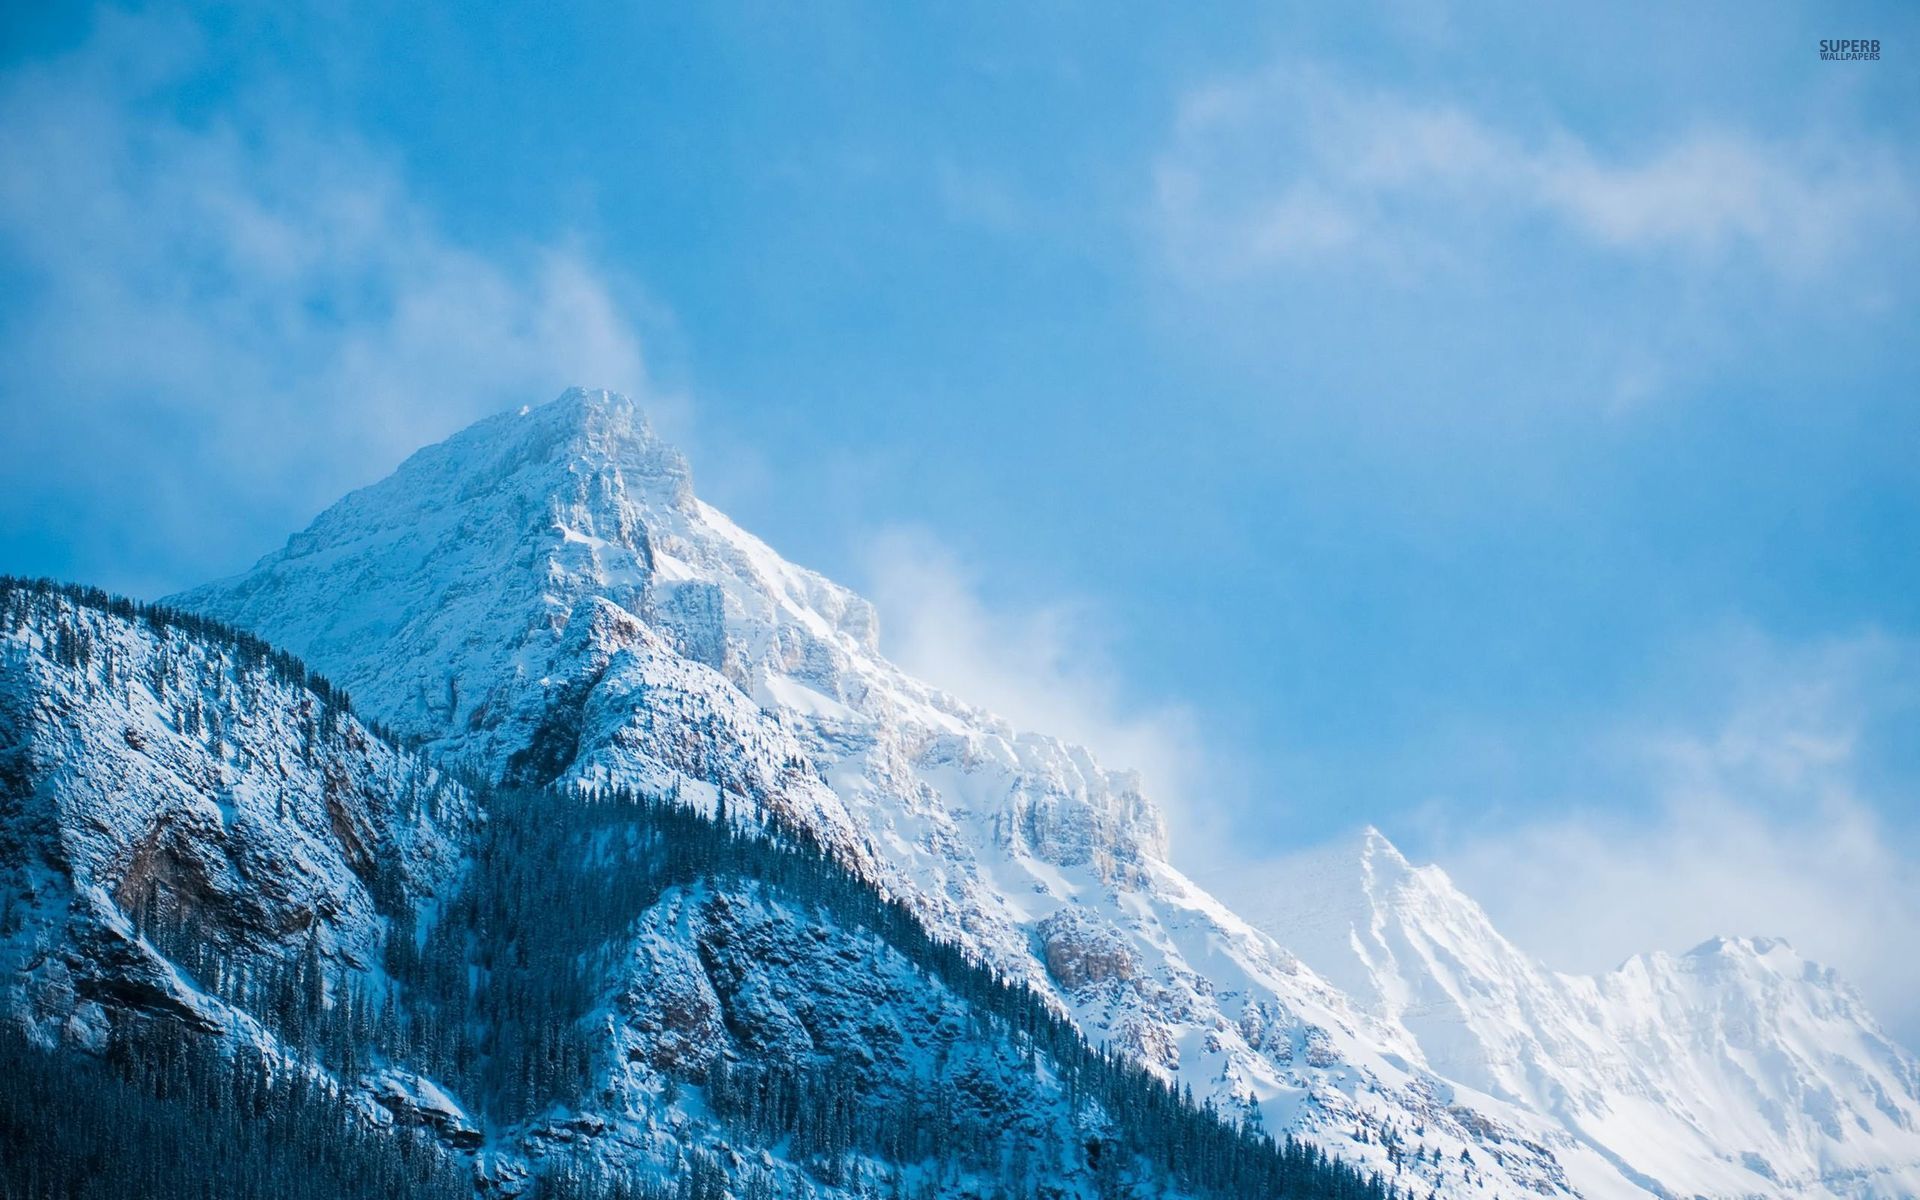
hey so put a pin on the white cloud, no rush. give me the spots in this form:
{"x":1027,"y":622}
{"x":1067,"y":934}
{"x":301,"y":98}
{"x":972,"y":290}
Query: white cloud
{"x":1797,"y":206}
{"x":1763,"y":821}
{"x":1045,"y":668}
{"x":261,"y":293}
{"x":1299,"y":166}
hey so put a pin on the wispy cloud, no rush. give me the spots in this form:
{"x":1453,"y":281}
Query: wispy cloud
{"x":1046,"y":668}
{"x":259,"y":293}
{"x":1300,"y":166}
{"x":1764,"y":818}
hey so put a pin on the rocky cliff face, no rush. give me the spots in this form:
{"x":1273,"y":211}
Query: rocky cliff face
{"x":143,"y":766}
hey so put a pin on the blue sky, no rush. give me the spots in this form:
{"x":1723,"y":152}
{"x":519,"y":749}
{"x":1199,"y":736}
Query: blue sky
{"x":1496,"y":423}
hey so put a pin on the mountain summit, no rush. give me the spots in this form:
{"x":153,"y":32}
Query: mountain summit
{"x":542,"y":598}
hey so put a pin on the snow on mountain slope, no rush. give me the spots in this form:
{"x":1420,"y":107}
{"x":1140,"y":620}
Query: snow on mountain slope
{"x":1735,"y":1069}
{"x":542,"y":596}
{"x":138,"y":760}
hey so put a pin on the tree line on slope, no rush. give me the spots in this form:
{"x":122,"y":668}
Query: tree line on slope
{"x":492,"y":1004}
{"x":165,"y":1116}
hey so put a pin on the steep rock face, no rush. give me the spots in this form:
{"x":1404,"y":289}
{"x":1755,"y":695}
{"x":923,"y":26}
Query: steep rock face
{"x":752,"y":980}
{"x":1736,"y":1069}
{"x":142,"y":768}
{"x":451,"y":597}
{"x":719,"y":984}
{"x":1082,"y":951}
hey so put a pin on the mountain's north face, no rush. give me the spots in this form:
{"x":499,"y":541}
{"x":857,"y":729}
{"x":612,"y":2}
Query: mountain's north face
{"x":543,"y":599}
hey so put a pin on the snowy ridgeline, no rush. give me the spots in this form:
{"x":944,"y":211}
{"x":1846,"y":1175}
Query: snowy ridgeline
{"x":1739,"y":1068}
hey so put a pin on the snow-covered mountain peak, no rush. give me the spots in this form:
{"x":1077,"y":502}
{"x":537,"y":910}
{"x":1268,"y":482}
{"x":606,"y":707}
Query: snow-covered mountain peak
{"x":1391,"y":879}
{"x":584,"y":419}
{"x":1744,"y":947}
{"x":579,"y":433}
{"x":1735,"y":1068}
{"x":1380,"y":855}
{"x":450,"y":586}
{"x":1364,"y":916}
{"x":608,"y":429}
{"x":1357,"y":881}
{"x":543,"y":597}
{"x":1752,"y":963}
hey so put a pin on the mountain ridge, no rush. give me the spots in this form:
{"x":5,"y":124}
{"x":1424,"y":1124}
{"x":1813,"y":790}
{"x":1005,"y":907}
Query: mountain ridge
{"x":1836,"y":1095}
{"x":544,"y":592}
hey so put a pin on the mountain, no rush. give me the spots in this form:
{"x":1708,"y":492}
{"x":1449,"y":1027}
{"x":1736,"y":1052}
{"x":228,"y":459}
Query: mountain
{"x":290,"y":957}
{"x":1736,"y":1069}
{"x":542,"y":600}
